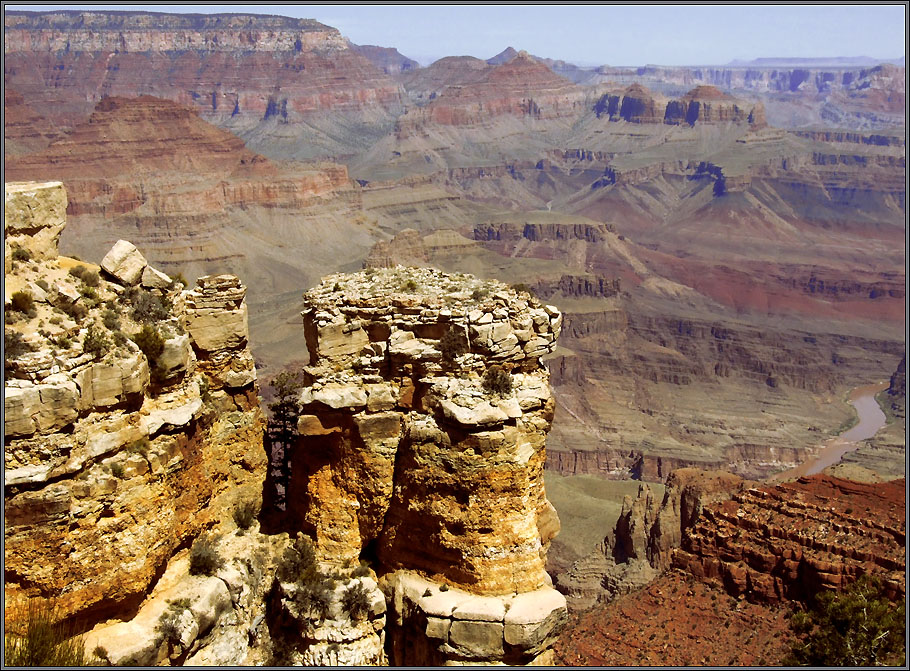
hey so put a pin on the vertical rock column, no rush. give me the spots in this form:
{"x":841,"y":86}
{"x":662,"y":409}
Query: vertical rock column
{"x":408,"y":458}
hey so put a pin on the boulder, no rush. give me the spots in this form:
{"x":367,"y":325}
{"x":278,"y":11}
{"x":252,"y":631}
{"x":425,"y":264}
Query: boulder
{"x":125,"y":262}
{"x":34,"y":216}
{"x":154,"y":279}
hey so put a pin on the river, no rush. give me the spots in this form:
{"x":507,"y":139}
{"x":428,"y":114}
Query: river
{"x":871,"y":419}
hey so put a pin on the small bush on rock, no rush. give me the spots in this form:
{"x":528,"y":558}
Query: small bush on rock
{"x":149,"y":342}
{"x":497,"y":381}
{"x":95,"y":342}
{"x":244,"y":514}
{"x":21,"y":254}
{"x":147,"y":308}
{"x":298,"y":564}
{"x":76,"y":311}
{"x":22,"y":301}
{"x":204,"y":557}
{"x":315,"y":598}
{"x":356,"y":601}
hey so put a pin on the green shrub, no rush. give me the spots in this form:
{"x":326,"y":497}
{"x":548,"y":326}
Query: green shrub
{"x":111,"y":320}
{"x":168,"y":626}
{"x":147,"y":308}
{"x":76,"y":311}
{"x":22,"y":301}
{"x":91,"y":278}
{"x":298,"y":564}
{"x":315,"y":598}
{"x":119,"y":338}
{"x":38,"y":636}
{"x":89,"y":293}
{"x":497,"y":381}
{"x":356,"y":601}
{"x":452,"y":344}
{"x":95,"y":342}
{"x":361,"y":571}
{"x":479,"y":294}
{"x":149,"y":342}
{"x":245,"y":513}
{"x":21,"y":254}
{"x":117,"y":470}
{"x":858,"y":627}
{"x":139,"y":446}
{"x":204,"y":557}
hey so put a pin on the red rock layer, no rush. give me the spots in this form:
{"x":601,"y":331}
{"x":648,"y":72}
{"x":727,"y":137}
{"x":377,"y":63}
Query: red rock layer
{"x":24,"y":130}
{"x":787,"y":542}
{"x":133,"y":152}
{"x":523,"y":87}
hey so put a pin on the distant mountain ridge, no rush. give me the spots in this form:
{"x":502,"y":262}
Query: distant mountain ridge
{"x":831,"y":62}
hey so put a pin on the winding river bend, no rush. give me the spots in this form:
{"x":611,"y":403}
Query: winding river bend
{"x":871,"y":419}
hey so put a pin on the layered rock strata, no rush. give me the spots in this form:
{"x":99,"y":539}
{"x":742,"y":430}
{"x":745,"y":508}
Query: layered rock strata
{"x":408,"y":456}
{"x":769,"y":544}
{"x":231,"y":67}
{"x":115,"y":456}
{"x":642,"y":543}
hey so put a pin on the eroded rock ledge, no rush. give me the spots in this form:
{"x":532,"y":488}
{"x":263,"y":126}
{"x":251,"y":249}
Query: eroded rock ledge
{"x":406,"y":457}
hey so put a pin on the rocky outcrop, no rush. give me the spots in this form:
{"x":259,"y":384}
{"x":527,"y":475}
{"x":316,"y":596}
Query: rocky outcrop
{"x":702,"y":105}
{"x":642,"y":543}
{"x":117,"y":454}
{"x":34,"y":216}
{"x":767,"y":544}
{"x":411,"y":455}
{"x":522,"y":87}
{"x":897,"y":389}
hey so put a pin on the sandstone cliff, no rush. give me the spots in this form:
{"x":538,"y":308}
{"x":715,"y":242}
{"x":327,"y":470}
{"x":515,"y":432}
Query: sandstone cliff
{"x":410,"y":455}
{"x":119,"y":450}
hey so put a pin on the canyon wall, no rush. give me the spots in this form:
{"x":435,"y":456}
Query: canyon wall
{"x":231,"y":68}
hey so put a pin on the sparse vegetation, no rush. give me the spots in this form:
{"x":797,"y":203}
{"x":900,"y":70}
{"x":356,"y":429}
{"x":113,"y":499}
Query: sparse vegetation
{"x":146,"y":307}
{"x":244,"y":514}
{"x":37,"y":635}
{"x":22,"y":301}
{"x":21,"y":254}
{"x":858,"y":627}
{"x":479,"y":294}
{"x":356,"y":601}
{"x":168,"y":626}
{"x":149,"y":342}
{"x":314,"y":598}
{"x":117,"y":470}
{"x":497,"y":381}
{"x":111,"y":320}
{"x":14,"y":346}
{"x":298,"y":564}
{"x":204,"y":557}
{"x":95,"y":342}
{"x":75,"y":310}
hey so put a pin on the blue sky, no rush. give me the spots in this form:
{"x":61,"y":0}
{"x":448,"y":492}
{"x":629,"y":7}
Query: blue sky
{"x":680,"y":34}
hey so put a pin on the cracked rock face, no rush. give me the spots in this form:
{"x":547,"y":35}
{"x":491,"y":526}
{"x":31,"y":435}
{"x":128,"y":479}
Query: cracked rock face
{"x":406,"y":453}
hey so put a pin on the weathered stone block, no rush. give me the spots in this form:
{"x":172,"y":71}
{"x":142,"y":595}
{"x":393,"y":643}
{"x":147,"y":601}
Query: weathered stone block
{"x":34,"y":216}
{"x":124,"y":262}
{"x":477,"y":640}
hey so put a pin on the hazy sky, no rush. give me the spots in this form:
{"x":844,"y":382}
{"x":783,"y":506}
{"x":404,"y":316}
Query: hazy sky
{"x":680,"y":34}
